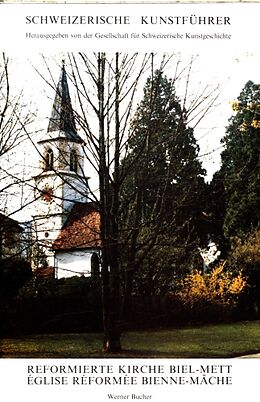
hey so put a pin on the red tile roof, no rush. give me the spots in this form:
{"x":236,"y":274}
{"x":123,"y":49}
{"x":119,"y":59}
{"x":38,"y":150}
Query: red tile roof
{"x":81,"y":230}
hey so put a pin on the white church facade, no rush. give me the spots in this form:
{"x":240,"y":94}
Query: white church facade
{"x":66,"y":224}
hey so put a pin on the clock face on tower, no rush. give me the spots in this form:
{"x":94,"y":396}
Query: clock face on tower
{"x":47,"y":194}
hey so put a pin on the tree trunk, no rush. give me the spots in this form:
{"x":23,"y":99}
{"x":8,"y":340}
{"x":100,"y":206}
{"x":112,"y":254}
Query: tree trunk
{"x":109,"y":230}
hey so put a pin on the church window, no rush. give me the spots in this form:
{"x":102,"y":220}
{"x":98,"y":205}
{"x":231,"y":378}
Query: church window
{"x":73,"y":161}
{"x":49,"y":158}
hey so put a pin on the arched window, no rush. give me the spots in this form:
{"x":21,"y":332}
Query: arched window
{"x":73,"y":161}
{"x":49,"y":158}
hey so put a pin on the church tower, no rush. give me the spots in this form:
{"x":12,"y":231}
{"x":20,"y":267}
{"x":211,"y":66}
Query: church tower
{"x":61,"y":182}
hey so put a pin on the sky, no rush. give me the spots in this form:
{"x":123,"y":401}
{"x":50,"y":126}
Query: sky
{"x":229,"y":71}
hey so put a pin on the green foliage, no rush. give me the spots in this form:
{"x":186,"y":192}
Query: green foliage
{"x":55,"y":305}
{"x":58,"y":288}
{"x":216,"y":209}
{"x":163,"y":268}
{"x":240,"y":164}
{"x":163,"y":150}
{"x":163,"y":191}
{"x":245,"y":253}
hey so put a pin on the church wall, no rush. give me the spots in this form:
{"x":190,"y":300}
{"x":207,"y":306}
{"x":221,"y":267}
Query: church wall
{"x":49,"y":212}
{"x":52,"y":184}
{"x":74,"y":190}
{"x":73,"y":263}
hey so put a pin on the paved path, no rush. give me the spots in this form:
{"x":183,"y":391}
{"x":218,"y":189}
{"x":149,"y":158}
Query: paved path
{"x":253,"y":356}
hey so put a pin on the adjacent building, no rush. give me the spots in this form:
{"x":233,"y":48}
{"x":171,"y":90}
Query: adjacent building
{"x":10,"y":238}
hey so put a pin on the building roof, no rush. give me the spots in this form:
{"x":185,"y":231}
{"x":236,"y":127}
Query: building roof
{"x":81,"y":230}
{"x":62,"y":118}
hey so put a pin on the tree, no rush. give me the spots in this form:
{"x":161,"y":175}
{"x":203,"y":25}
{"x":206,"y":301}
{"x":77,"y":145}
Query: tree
{"x":240,"y":164}
{"x":13,"y":119}
{"x":114,"y":83}
{"x":105,"y":87}
{"x":215,"y":209}
{"x":163,"y":194}
{"x":14,"y":122}
{"x":245,"y":252}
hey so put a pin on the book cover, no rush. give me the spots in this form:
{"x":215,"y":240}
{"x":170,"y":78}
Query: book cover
{"x":128,"y":200}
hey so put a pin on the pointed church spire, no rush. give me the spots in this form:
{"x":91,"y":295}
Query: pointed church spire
{"x":62,"y":118}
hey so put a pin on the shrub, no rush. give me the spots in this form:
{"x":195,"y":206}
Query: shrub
{"x":215,"y":291}
{"x":245,"y":252}
{"x":55,"y":305}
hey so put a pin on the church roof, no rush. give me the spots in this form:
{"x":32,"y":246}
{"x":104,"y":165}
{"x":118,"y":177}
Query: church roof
{"x":81,"y":230}
{"x":62,"y":118}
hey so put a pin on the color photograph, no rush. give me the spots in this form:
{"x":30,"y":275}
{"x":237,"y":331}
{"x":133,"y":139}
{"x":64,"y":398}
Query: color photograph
{"x":152,"y":150}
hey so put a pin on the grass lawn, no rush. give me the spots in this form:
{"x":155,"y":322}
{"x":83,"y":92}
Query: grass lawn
{"x":222,"y":340}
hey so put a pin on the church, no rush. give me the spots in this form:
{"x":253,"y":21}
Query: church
{"x":65,"y":222}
